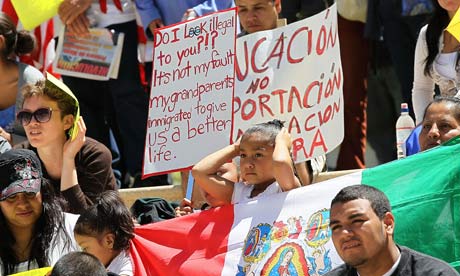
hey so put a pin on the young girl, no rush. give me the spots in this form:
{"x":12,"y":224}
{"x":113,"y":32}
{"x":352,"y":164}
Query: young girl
{"x":104,"y":230}
{"x":265,"y":164}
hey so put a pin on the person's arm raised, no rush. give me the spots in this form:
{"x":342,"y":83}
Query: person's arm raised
{"x":71,"y":148}
{"x":69,"y":177}
{"x":206,"y":176}
{"x":283,"y":168}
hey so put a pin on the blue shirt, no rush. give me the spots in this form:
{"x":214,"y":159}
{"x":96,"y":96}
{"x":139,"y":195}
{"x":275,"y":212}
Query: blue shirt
{"x":7,"y":117}
{"x":171,"y":11}
{"x":412,"y":145}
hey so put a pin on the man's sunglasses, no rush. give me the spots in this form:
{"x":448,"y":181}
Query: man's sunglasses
{"x":41,"y":115}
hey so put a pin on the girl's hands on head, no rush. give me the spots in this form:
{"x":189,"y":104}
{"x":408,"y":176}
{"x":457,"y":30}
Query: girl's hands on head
{"x":236,"y":146}
{"x":283,"y":168}
{"x":284,"y":138}
{"x":72,"y":147}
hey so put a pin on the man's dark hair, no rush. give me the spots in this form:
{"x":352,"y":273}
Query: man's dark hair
{"x":378,"y":200}
{"x":78,"y":264}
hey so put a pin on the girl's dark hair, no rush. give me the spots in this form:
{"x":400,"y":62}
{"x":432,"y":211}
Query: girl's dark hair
{"x":18,"y":42}
{"x":51,"y":224}
{"x":436,"y":25}
{"x":108,"y":214}
{"x":268,"y":129}
{"x":452,"y":102}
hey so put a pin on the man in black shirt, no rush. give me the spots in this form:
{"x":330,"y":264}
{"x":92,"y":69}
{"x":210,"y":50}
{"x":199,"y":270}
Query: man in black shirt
{"x":362,"y":232}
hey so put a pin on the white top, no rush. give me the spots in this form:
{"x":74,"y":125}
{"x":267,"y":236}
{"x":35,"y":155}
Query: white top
{"x":122,"y":264}
{"x":113,"y":15}
{"x":444,"y":73}
{"x":392,"y":269}
{"x":445,"y":64}
{"x":242,"y":192}
{"x":58,"y":246}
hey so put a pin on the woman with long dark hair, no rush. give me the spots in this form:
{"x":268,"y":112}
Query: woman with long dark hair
{"x":436,"y":58}
{"x":35,"y":232}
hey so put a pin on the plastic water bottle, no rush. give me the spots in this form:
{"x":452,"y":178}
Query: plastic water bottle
{"x":404,"y":126}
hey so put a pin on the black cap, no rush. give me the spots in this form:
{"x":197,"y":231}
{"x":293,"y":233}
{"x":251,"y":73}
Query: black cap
{"x":20,"y":171}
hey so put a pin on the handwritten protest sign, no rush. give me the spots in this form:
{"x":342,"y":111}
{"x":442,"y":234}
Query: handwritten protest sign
{"x":294,"y":74}
{"x":95,"y":56}
{"x":190,"y":107}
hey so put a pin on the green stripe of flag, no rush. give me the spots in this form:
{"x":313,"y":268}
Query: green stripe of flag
{"x":424,"y":191}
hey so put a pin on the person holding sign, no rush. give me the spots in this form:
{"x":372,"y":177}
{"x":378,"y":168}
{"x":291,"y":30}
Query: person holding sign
{"x":120,"y":104}
{"x":35,"y":232}
{"x":80,"y":167}
{"x":262,"y":15}
{"x":14,"y":75}
{"x":157,"y":14}
{"x":265,"y":165}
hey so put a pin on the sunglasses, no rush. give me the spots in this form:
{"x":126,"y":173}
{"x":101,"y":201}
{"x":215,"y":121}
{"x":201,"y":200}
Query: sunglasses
{"x":41,"y":115}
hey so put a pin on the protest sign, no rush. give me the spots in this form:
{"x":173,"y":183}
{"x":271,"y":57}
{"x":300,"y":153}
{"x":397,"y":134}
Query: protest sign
{"x":294,"y":74}
{"x":95,"y":56}
{"x":190,"y":106}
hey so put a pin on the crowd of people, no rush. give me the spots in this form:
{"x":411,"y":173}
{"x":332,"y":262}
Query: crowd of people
{"x":58,"y":186}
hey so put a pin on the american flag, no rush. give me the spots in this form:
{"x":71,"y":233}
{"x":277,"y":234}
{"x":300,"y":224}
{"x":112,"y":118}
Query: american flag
{"x":43,"y":55}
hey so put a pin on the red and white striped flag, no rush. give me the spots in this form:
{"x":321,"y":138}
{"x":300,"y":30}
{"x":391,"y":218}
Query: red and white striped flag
{"x":43,"y":55}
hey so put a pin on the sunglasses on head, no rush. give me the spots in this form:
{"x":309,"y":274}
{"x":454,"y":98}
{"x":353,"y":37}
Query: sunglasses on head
{"x":41,"y":115}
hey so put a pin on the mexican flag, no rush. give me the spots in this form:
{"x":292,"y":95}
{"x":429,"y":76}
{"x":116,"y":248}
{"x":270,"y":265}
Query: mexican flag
{"x":289,"y":232}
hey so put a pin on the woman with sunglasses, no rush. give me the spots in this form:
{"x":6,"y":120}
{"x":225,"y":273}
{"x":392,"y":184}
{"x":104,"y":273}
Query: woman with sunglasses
{"x":80,"y":168}
{"x":14,"y":75}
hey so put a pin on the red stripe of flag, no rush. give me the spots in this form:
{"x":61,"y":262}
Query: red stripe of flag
{"x":8,"y":8}
{"x":188,"y":245}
